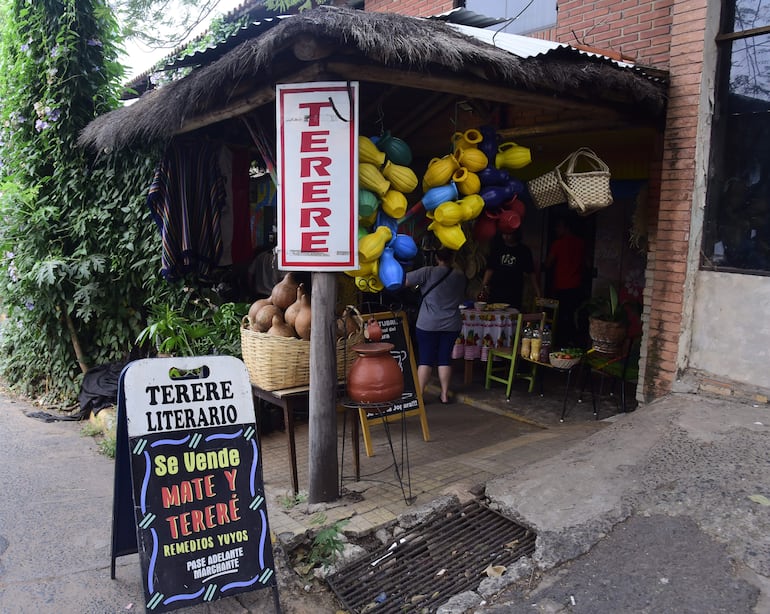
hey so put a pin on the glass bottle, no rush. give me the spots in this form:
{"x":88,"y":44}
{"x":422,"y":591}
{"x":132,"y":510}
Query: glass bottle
{"x":545,"y":344}
{"x":535,"y":344}
{"x":526,"y":341}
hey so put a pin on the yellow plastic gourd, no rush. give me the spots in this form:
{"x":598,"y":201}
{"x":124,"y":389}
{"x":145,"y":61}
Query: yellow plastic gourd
{"x":371,"y":246}
{"x":466,"y":181}
{"x":368,"y":152}
{"x":365,"y":269}
{"x":369,"y":283}
{"x":448,"y":213}
{"x":512,"y":156}
{"x":472,"y":158}
{"x":370,"y":178}
{"x":439,"y":172}
{"x":394,"y":204}
{"x":472,"y":206}
{"x":469,"y":138}
{"x":402,"y":178}
{"x":452,"y":237}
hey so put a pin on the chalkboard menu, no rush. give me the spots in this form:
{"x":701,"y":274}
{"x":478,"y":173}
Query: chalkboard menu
{"x":199,"y":504}
{"x":395,"y":330}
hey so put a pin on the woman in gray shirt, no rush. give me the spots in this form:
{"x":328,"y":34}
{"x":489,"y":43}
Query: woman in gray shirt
{"x":438,"y":322}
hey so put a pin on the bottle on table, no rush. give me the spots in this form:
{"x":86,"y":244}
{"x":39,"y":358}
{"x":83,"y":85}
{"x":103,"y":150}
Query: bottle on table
{"x":545,"y":344}
{"x":526,"y":341}
{"x":535,"y":344}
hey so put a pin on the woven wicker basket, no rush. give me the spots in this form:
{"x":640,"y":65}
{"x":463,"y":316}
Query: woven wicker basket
{"x":563,"y":363}
{"x":275,"y":362}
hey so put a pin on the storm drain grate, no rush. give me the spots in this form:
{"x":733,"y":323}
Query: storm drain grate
{"x":440,"y":558}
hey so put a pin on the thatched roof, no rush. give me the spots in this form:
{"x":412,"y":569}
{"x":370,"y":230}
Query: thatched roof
{"x":328,"y":43}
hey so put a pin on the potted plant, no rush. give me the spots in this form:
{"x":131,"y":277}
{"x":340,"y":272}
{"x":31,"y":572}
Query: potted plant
{"x":607,"y":320}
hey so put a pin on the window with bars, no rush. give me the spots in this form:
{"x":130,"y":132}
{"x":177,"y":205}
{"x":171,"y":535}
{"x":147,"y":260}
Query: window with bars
{"x":737,"y":225}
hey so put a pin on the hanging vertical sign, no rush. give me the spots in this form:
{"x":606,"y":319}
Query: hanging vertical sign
{"x":199,"y":504}
{"x":317,"y":159}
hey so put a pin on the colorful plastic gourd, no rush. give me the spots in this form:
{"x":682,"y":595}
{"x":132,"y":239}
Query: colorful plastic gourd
{"x":367,"y":203}
{"x":370,"y":178}
{"x":512,"y":156}
{"x":452,"y":237}
{"x":469,"y":138}
{"x":371,"y":246}
{"x":394,"y":203}
{"x":383,"y":219}
{"x":489,"y":142}
{"x":496,"y":195}
{"x":404,"y":248}
{"x":402,"y":178}
{"x":485,"y":227}
{"x":493,"y":176}
{"x":508,"y":221}
{"x":365,"y":269}
{"x":472,"y":158}
{"x":472,"y":206}
{"x":467,"y":182}
{"x":368,"y":152}
{"x":439,"y":172}
{"x":396,"y":150}
{"x":448,"y":213}
{"x":439,"y":194}
{"x":390,"y":271}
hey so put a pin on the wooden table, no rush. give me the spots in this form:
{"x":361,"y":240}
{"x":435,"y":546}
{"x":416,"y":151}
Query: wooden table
{"x":481,"y":330}
{"x":288,"y":399}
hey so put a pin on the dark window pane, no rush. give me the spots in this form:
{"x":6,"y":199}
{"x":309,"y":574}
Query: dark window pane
{"x":749,"y":81}
{"x":750,"y":14}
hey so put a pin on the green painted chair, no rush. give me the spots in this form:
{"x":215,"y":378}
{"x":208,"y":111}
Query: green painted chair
{"x":503,"y":370}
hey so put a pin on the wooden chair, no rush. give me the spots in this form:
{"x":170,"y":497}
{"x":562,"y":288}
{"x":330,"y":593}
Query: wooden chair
{"x":551,"y":308}
{"x":505,"y":371}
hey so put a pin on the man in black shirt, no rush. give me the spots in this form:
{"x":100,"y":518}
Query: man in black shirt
{"x":509,"y":263}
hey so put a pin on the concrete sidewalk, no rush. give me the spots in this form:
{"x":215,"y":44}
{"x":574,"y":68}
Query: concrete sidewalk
{"x":666,"y":509}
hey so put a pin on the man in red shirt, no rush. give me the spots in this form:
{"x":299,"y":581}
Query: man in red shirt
{"x":567,"y":261}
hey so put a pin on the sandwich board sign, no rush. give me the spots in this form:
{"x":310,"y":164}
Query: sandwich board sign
{"x":199,"y":508}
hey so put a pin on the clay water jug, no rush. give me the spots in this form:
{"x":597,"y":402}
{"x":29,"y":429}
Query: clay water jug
{"x":373,"y":330}
{"x":375,"y":376}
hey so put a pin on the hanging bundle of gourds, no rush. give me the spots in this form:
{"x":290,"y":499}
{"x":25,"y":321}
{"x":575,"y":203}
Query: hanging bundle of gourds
{"x":477,"y":170}
{"x":384,"y":179}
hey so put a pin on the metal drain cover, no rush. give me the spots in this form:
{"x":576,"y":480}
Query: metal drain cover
{"x":424,"y":568}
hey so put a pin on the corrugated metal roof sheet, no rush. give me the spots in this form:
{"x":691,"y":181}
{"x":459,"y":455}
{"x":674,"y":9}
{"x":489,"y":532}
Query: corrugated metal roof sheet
{"x":468,"y":18}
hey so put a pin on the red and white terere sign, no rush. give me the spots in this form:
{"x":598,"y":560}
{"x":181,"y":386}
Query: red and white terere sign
{"x":317,"y":159}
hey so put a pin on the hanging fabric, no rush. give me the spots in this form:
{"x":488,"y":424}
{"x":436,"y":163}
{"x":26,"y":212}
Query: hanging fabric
{"x":186,"y":198}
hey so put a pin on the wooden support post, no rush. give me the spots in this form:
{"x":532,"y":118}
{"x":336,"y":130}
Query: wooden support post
{"x":322,"y":453}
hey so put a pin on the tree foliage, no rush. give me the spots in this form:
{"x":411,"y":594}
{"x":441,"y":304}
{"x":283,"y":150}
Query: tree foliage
{"x":78,"y":252}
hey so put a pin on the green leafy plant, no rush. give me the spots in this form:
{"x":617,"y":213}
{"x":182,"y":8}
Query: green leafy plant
{"x":327,"y":543}
{"x":606,"y":306}
{"x":288,"y":501}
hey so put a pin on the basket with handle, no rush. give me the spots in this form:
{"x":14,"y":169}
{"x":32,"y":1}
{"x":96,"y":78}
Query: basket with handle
{"x":274,"y":362}
{"x":587,"y":190}
{"x":546,"y":190}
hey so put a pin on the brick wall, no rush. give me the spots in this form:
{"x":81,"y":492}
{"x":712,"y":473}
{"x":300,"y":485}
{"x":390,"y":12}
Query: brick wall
{"x":416,"y":8}
{"x":639,"y":29}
